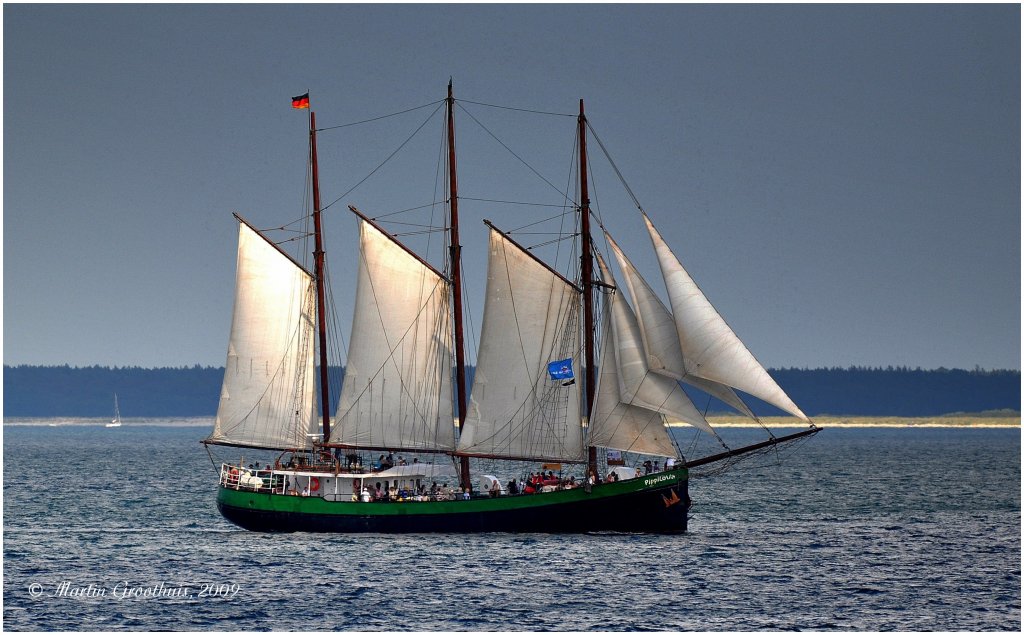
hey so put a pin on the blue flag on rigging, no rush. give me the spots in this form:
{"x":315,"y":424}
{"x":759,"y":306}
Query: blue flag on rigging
{"x":561,"y":369}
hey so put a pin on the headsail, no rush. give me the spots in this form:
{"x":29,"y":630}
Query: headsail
{"x":268,"y":396}
{"x":618,"y":425}
{"x":661,"y":341}
{"x":530,"y":319}
{"x":397,"y":392}
{"x":710,"y":347}
{"x":637,"y":385}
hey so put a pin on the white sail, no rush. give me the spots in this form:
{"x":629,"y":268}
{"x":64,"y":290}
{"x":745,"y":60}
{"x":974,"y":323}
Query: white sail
{"x":268,"y":396}
{"x":530,"y":319}
{"x":661,"y":341}
{"x":116,"y":421}
{"x":711,"y":348}
{"x":397,"y":392}
{"x":637,"y":385}
{"x":618,"y":425}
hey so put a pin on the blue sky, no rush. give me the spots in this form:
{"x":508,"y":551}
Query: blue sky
{"x":842,"y":181}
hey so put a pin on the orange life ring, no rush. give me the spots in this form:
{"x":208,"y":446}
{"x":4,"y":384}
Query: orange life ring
{"x":314,"y":484}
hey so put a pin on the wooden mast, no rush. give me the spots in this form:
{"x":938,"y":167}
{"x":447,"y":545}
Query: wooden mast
{"x":587,"y":283}
{"x":318,"y":272}
{"x":455,"y":257}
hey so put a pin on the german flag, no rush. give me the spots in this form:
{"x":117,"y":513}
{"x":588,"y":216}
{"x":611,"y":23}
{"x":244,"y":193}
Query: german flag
{"x":302,"y":101}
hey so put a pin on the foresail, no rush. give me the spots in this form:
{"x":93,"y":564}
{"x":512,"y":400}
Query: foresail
{"x":397,"y":391}
{"x":711,"y":348}
{"x":660,"y":339}
{"x":267,"y":398}
{"x":637,"y":385}
{"x":620,"y":426}
{"x":531,"y":318}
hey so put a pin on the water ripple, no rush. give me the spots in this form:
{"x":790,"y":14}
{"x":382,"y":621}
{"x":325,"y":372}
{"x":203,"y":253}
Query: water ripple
{"x":887,"y":530}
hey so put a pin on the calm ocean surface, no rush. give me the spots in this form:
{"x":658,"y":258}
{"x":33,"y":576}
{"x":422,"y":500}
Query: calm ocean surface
{"x":855,"y":530}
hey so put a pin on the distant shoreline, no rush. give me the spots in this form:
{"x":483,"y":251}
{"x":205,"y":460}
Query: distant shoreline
{"x":823,"y":393}
{"x":965,"y":420}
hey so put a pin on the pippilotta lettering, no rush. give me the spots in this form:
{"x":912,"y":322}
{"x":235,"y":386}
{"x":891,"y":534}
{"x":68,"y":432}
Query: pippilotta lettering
{"x":659,"y":479}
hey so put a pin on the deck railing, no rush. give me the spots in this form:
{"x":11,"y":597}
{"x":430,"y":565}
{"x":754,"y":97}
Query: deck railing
{"x":271,"y":481}
{"x":235,"y":477}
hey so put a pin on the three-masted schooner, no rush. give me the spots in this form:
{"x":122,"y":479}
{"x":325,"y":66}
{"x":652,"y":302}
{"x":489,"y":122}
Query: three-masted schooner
{"x":405,"y":387}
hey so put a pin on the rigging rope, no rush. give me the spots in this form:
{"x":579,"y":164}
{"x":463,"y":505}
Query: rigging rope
{"x":356,"y":123}
{"x":214,"y":462}
{"x":382,"y":163}
{"x":729,"y":463}
{"x":519,"y":158}
{"x":403,"y":211}
{"x":490,"y":200}
{"x":618,"y":173}
{"x":536,"y":112}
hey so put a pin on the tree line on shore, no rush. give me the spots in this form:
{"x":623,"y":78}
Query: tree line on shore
{"x":65,"y":391}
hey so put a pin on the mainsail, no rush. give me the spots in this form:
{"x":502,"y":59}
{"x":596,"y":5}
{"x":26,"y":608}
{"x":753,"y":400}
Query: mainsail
{"x":661,"y":341}
{"x":267,"y":399}
{"x":397,"y":392}
{"x":710,"y":347}
{"x":530,"y":319}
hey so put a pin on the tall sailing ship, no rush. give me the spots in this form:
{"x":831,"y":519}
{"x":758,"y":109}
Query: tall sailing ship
{"x":573,"y":384}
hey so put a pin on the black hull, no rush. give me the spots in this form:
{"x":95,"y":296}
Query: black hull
{"x":654,"y":510}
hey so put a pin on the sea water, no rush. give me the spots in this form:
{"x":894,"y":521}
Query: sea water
{"x":856,"y":529}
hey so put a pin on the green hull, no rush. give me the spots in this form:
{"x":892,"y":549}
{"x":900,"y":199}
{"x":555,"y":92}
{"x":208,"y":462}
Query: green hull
{"x":653,"y":503}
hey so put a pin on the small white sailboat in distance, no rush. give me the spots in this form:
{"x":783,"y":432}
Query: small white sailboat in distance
{"x":116,"y":421}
